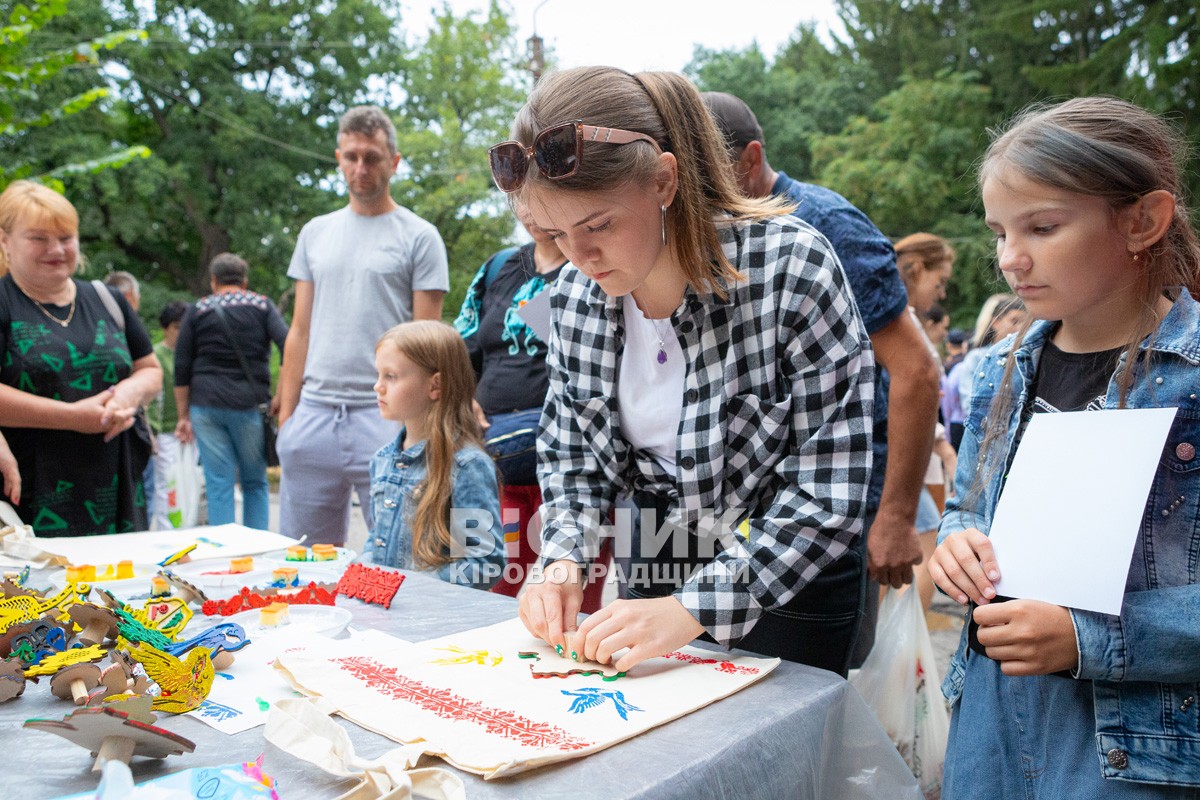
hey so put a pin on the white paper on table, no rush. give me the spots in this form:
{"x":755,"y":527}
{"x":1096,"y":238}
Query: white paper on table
{"x":1068,"y":517}
{"x":536,"y":313}
{"x":243,"y":694}
{"x":151,"y":547}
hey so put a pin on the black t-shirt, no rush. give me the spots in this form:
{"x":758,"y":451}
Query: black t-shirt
{"x":1072,"y":381}
{"x":1064,"y":382}
{"x":73,"y":484}
{"x":206,"y":362}
{"x":509,"y":358}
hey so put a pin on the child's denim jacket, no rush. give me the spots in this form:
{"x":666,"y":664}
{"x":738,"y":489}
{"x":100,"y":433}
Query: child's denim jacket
{"x":1145,"y":664}
{"x":477,"y":549}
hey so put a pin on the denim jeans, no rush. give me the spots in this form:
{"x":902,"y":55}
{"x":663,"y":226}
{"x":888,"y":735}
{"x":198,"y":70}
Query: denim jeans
{"x":231,"y":449}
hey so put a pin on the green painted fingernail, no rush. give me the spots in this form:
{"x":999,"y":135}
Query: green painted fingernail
{"x":558,"y":649}
{"x":574,"y":657}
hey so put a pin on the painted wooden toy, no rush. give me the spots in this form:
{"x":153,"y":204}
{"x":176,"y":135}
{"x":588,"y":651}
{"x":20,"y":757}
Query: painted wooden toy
{"x":115,"y":733}
{"x":30,"y":642}
{"x":96,"y":623}
{"x":169,"y":615}
{"x":12,"y":679}
{"x":25,"y":608}
{"x":370,"y":584}
{"x":183,"y":684}
{"x":74,"y":682}
{"x":54,"y":663}
{"x":114,"y":682}
{"x":222,"y":641}
{"x":135,"y":631}
{"x":564,"y":662}
{"x":184,"y":588}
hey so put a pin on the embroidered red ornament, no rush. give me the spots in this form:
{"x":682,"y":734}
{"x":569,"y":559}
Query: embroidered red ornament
{"x":370,"y":584}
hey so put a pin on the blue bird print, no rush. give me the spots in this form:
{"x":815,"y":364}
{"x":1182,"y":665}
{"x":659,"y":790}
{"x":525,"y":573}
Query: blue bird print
{"x":592,"y":698}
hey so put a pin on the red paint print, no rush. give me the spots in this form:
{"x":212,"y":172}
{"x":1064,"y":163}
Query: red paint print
{"x":728,"y":667}
{"x":447,"y":705}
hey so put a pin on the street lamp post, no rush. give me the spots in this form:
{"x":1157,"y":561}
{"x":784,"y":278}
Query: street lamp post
{"x":537,"y":55}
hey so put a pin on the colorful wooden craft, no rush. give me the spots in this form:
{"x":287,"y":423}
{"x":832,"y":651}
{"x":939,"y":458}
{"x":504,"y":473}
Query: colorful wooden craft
{"x":30,"y":642}
{"x":315,"y":594}
{"x":52,"y":664}
{"x":96,"y":623}
{"x":222,"y":640}
{"x":25,"y":608}
{"x":74,"y":682}
{"x":183,"y":684}
{"x":134,"y":631}
{"x":12,"y":679}
{"x":370,"y":584}
{"x":168,"y":615}
{"x":115,"y":733}
{"x":184,"y":588}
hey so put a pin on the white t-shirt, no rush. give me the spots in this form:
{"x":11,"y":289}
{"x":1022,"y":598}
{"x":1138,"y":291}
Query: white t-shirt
{"x":364,"y":271}
{"x":649,"y":393}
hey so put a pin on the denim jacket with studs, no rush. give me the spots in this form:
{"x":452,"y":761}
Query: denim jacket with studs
{"x":1145,"y":664}
{"x":397,"y":478}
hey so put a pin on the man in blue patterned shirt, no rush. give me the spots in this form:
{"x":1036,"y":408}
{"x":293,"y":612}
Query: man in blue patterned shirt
{"x":906,"y":386}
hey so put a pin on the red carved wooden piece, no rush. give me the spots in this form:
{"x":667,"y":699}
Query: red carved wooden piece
{"x":315,"y":594}
{"x":370,"y":584}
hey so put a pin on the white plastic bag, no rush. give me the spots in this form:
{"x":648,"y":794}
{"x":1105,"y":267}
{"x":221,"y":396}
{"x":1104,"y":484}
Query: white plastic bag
{"x":185,"y":483}
{"x":899,"y":680}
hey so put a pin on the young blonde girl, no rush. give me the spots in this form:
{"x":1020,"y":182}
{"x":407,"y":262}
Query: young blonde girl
{"x":434,"y":492}
{"x":1092,"y":233}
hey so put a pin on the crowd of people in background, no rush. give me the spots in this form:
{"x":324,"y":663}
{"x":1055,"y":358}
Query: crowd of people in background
{"x":721,"y":339}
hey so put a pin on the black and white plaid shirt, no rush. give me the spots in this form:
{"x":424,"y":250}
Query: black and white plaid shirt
{"x":775,"y":425}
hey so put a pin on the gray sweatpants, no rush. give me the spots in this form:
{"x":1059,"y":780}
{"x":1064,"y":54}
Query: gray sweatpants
{"x":324,"y":453}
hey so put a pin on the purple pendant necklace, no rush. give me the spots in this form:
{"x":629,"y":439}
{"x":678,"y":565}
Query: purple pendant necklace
{"x":662,"y":349}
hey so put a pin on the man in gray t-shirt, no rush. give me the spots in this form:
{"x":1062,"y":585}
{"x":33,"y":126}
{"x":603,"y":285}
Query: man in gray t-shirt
{"x":358,"y":272}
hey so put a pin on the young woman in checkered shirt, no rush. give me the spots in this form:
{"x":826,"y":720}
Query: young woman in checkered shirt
{"x":707,"y":362}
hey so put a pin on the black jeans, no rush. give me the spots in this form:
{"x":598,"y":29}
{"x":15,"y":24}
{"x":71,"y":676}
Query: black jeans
{"x":816,"y":627}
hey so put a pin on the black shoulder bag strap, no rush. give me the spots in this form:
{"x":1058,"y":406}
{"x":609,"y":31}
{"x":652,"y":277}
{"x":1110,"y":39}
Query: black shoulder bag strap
{"x":229,"y":337}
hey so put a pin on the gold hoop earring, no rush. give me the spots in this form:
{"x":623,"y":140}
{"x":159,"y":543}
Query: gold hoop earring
{"x":663,"y":210}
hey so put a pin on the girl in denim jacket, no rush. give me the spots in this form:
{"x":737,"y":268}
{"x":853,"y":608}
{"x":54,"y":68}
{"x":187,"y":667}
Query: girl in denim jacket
{"x":1052,"y":702}
{"x":433,"y":490}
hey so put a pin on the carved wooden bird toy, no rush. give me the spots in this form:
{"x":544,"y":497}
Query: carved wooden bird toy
{"x":183,"y":684}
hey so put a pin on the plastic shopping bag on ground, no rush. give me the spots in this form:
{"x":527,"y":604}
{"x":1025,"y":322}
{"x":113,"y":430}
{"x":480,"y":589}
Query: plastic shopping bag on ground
{"x":185,"y":483}
{"x":899,"y":680}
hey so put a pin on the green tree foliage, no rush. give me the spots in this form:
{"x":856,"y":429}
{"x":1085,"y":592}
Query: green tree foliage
{"x":240,"y":102}
{"x":462,"y":89}
{"x":807,"y":91}
{"x":27,"y":105}
{"x":910,"y":166}
{"x":894,"y":117}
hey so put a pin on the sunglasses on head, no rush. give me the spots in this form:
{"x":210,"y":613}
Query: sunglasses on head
{"x":557,"y":151}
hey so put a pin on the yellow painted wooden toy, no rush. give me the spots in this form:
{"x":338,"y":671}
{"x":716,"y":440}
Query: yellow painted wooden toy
{"x":52,"y":664}
{"x":183,"y":684}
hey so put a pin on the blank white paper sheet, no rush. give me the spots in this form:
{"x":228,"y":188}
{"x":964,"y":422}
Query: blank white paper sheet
{"x":1069,"y":513}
